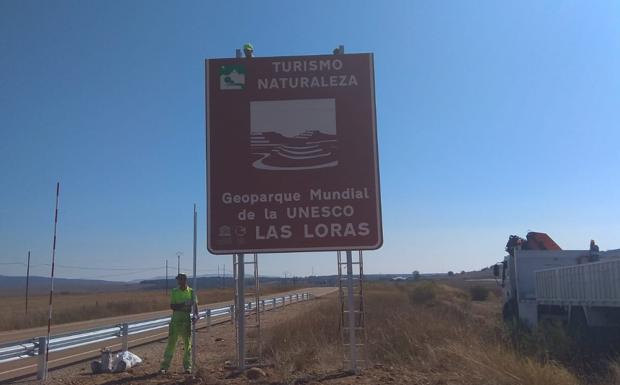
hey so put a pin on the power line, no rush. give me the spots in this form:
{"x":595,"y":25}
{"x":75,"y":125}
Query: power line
{"x":118,"y":270}
{"x":102,"y":267}
{"x":114,"y":275}
{"x":110,"y":268}
{"x":82,"y":267}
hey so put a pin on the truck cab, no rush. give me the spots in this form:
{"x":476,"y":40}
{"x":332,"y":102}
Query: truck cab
{"x":519,"y":279}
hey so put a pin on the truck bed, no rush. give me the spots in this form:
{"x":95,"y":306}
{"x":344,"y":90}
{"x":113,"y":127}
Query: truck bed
{"x":588,"y":284}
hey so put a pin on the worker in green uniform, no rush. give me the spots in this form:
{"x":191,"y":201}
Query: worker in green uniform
{"x":248,"y":50}
{"x":183,"y":302}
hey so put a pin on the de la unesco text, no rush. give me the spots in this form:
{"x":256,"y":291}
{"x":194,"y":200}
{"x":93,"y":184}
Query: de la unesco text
{"x":335,"y":209}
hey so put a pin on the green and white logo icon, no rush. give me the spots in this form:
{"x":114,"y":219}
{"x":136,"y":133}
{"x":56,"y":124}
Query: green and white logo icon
{"x":232,"y":77}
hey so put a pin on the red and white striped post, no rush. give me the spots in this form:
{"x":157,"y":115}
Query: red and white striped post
{"x":49,"y":317}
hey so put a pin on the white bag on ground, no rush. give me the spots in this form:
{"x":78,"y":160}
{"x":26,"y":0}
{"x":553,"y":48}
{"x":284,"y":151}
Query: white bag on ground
{"x":125,"y":360}
{"x":115,"y":363}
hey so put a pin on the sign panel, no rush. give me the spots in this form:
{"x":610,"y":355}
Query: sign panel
{"x":292,"y":154}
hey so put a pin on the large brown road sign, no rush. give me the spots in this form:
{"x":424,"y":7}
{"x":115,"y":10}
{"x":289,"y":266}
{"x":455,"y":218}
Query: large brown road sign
{"x":292,"y":154}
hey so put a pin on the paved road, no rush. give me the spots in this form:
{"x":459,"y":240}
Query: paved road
{"x":28,"y":366}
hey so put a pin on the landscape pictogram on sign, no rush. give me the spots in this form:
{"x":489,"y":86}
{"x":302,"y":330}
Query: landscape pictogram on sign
{"x":232,"y":77}
{"x":293,"y":134}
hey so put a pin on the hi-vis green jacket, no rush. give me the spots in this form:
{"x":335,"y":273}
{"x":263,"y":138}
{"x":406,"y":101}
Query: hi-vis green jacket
{"x":182,"y":297}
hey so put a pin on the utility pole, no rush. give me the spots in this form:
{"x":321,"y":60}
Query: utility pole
{"x":166,"y":276}
{"x":27,"y":280}
{"x":179,"y":253}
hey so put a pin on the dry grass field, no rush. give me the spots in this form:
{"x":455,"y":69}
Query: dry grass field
{"x":72,"y":307}
{"x":423,"y":333}
{"x":428,"y":333}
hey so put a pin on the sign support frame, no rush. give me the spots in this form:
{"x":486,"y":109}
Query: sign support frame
{"x":352,"y":310}
{"x":240,"y":309}
{"x":351,"y":314}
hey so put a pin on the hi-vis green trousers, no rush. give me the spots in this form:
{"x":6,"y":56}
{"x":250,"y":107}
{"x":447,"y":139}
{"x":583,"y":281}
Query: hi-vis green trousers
{"x":179,"y":328}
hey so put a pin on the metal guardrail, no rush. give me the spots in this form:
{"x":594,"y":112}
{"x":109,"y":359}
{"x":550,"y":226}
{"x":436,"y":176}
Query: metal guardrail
{"x":32,"y":347}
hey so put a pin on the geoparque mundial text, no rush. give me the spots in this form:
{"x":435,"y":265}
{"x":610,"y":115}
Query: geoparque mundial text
{"x":307,"y":74}
{"x":336,"y":208}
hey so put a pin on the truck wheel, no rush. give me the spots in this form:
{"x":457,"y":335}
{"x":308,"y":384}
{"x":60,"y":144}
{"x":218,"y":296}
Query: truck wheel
{"x":578,"y":324}
{"x":510,"y":312}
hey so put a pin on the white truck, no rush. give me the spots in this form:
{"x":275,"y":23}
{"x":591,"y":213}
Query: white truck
{"x":541,"y":281}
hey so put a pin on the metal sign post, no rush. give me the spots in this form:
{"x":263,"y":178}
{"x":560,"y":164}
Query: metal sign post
{"x":240,"y":310}
{"x":351,"y":313}
{"x":256,"y":341}
{"x":247,"y":330}
{"x":350,"y":303}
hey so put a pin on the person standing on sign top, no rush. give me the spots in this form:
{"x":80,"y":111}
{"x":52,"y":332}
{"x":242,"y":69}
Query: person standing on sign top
{"x":248,"y":50}
{"x":593,"y":257}
{"x":183,"y":302}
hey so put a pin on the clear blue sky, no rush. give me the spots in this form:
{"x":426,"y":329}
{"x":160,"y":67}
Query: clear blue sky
{"x":494,"y":118}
